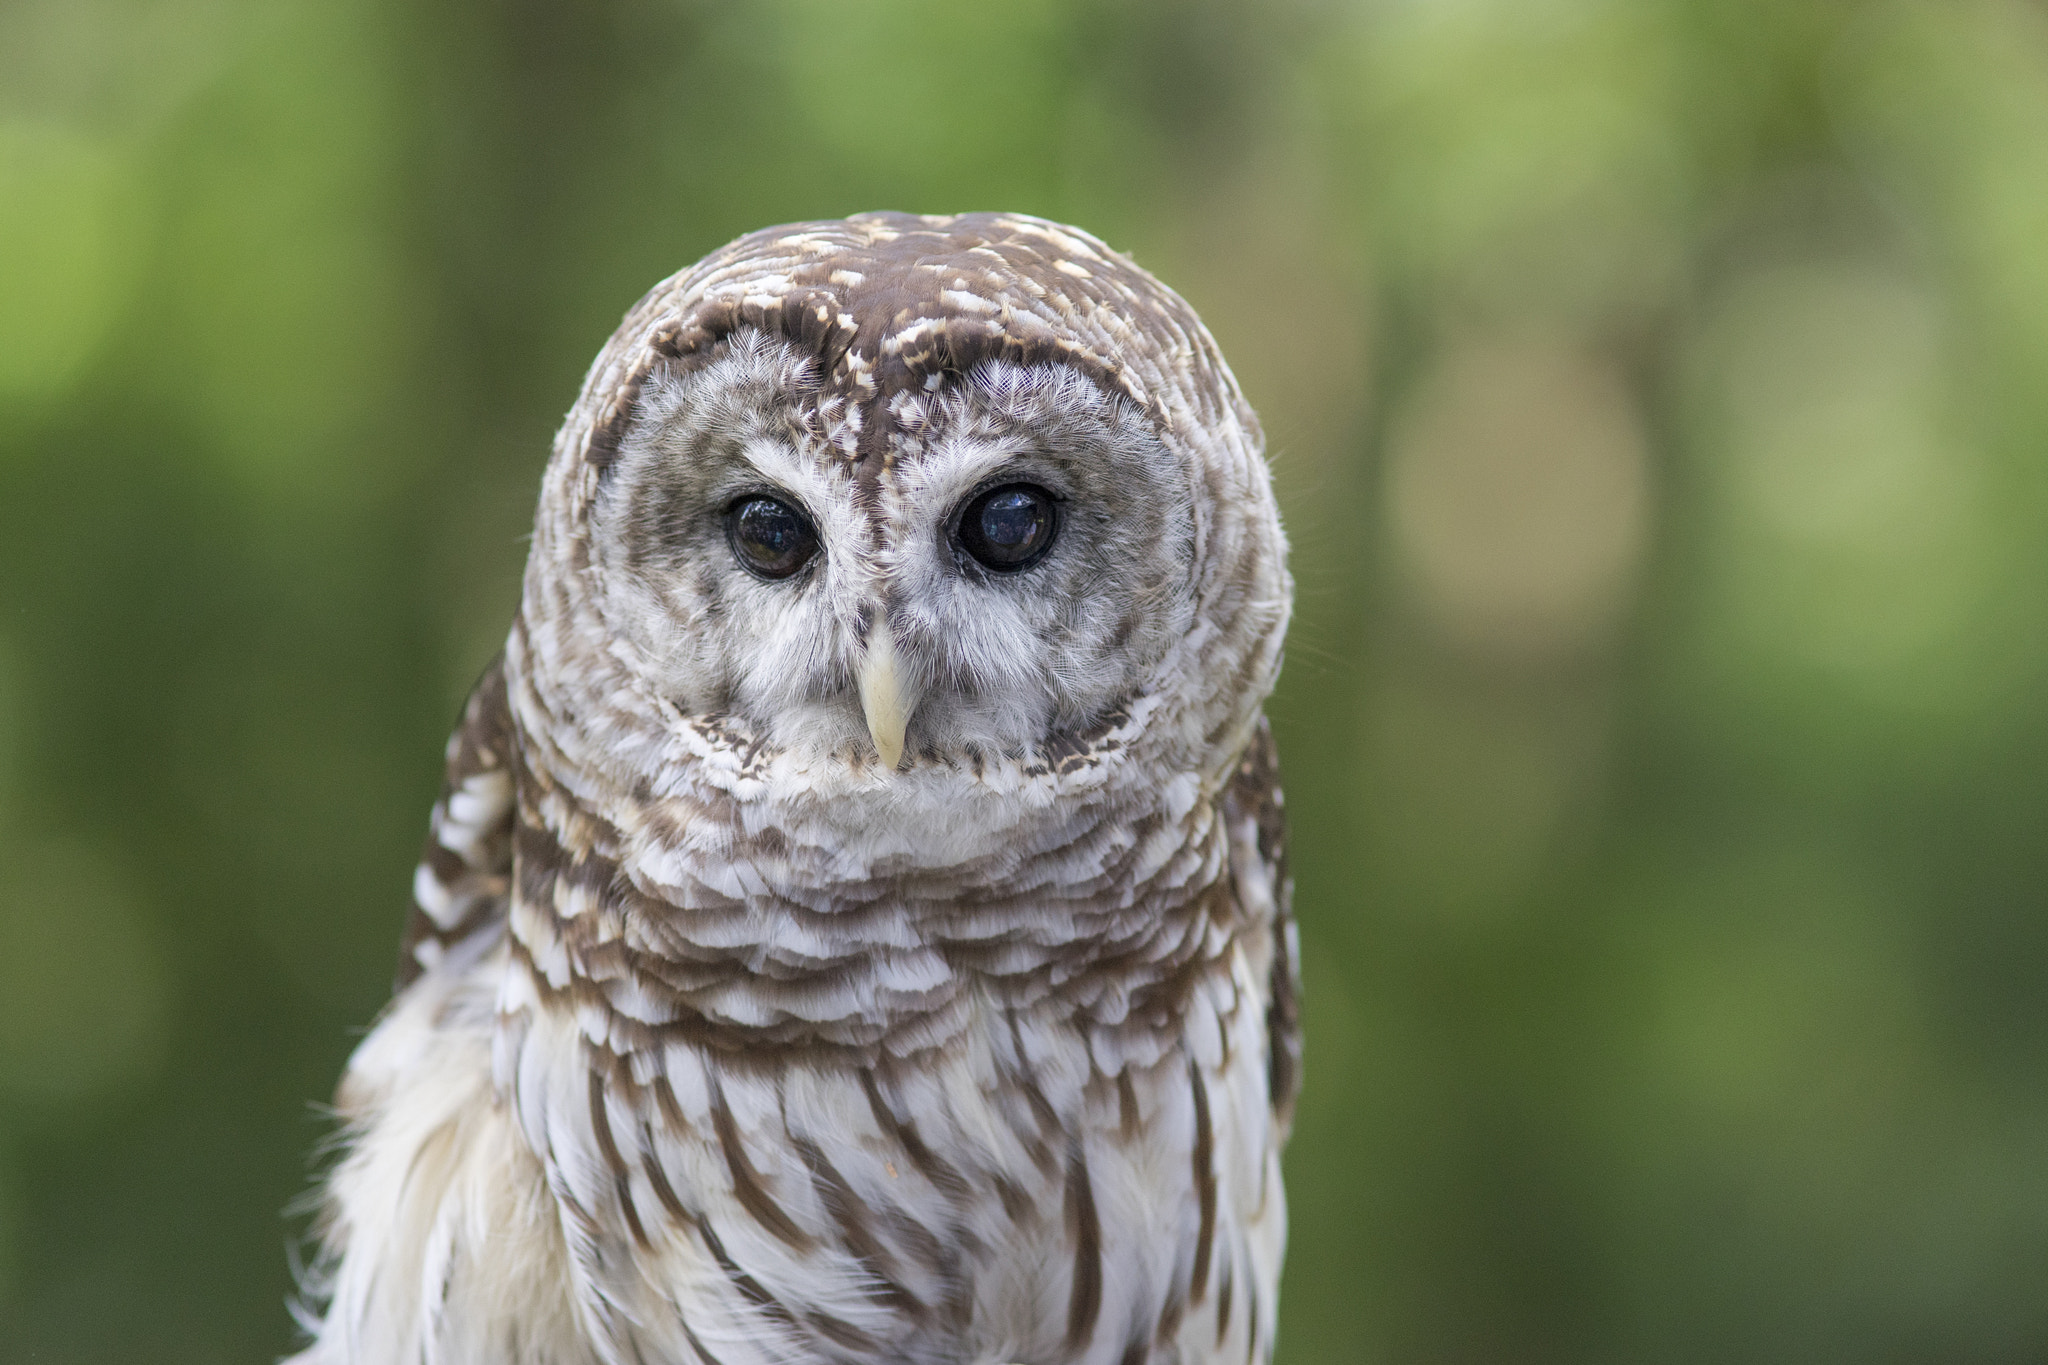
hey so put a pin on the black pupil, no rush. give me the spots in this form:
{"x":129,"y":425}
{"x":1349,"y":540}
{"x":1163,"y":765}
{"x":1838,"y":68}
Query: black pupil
{"x":1008,"y":528}
{"x":772,"y":538}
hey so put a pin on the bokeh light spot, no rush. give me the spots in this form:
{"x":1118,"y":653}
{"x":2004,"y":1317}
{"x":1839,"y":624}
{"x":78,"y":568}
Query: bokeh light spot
{"x":1519,"y":498}
{"x":67,"y":253}
{"x":1856,"y":539}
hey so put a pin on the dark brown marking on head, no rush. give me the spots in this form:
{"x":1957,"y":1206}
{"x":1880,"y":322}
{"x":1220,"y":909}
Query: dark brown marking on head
{"x":1084,"y":1304}
{"x":1136,"y":1353}
{"x":886,"y":302}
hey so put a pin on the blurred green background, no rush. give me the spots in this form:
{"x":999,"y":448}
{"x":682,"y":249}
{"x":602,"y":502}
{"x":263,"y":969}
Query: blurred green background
{"x":1657,"y":392}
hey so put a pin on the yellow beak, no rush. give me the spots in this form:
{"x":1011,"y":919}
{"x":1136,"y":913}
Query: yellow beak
{"x":884,"y":698}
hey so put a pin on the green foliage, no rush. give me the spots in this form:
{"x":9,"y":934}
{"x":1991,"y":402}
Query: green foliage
{"x":1655,"y":389}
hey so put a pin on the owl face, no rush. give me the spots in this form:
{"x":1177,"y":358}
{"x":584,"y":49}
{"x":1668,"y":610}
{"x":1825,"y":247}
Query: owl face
{"x":996,"y":588}
{"x":917,"y":542}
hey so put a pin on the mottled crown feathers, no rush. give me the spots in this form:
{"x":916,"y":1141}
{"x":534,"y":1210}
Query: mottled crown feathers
{"x":893,"y":302}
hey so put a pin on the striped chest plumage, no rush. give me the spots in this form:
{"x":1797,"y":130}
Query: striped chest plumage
{"x":855,"y":927}
{"x":1016,"y":1173}
{"x":996,"y":1201}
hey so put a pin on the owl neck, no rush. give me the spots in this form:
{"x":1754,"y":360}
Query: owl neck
{"x":688,"y":890}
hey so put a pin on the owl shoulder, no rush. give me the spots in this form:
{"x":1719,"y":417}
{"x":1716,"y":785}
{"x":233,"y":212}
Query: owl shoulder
{"x":460,"y":887}
{"x":1255,"y":808}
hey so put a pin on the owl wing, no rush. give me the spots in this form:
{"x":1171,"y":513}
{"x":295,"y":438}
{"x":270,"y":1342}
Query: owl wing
{"x":459,"y":890}
{"x":1255,"y":795}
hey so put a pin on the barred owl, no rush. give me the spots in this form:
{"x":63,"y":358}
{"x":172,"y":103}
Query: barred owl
{"x":855,"y":926}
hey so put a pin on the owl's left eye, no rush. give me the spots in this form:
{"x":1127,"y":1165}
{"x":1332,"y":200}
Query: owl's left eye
{"x":770,"y":538}
{"x":1009,"y":528}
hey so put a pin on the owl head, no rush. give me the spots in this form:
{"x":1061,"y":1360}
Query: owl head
{"x":903,"y":510}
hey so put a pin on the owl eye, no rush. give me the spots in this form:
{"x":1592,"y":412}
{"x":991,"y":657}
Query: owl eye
{"x":770,"y":538}
{"x":1009,"y":528}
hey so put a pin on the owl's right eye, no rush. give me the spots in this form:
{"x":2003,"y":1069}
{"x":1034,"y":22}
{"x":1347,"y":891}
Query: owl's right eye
{"x":770,"y":538}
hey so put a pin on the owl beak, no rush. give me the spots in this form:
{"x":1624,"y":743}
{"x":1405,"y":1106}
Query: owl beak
{"x":884,"y":698}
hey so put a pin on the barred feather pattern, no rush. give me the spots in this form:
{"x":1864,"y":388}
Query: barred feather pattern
{"x":717,"y":1042}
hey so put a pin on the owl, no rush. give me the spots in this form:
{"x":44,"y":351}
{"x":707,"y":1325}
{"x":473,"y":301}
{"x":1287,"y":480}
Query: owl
{"x":855,"y":926}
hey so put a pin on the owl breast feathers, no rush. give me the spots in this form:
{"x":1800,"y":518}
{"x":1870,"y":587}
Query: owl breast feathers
{"x":855,"y":926}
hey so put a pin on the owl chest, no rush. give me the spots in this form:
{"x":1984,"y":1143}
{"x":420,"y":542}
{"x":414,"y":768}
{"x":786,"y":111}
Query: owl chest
{"x":1005,"y":1198}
